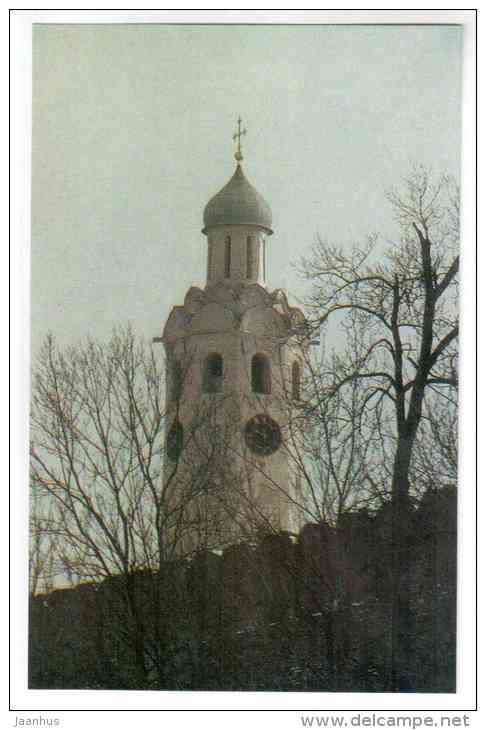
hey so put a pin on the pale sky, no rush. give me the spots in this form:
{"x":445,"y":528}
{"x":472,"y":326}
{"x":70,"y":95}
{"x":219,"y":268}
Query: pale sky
{"x":132,"y":128}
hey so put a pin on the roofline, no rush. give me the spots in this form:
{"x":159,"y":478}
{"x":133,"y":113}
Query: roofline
{"x":220,"y":225}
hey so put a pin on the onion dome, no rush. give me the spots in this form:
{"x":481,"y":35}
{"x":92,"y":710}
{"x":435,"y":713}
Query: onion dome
{"x":238,"y":204}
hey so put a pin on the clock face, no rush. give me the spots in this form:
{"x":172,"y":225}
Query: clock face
{"x":175,"y":438}
{"x":263,"y":435}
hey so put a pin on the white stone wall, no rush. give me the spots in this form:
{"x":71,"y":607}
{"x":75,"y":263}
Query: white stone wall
{"x":236,"y":321}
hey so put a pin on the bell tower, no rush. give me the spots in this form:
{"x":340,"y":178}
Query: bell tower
{"x":235,"y":354}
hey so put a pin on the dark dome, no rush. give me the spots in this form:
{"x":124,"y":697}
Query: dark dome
{"x":238,"y":203}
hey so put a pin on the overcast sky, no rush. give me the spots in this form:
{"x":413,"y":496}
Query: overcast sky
{"x":132,"y":128}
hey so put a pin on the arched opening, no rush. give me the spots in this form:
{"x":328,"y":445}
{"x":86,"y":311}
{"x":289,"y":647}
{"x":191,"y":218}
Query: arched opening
{"x":249,"y":257}
{"x":261,"y":377}
{"x":175,"y":380}
{"x":210,"y":258}
{"x":213,"y":374}
{"x":296,"y":381}
{"x":227,"y":257}
{"x":175,"y":441}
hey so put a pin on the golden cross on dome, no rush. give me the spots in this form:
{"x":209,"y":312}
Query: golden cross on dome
{"x":237,"y":136}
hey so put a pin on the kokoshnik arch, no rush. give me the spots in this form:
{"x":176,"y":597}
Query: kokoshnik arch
{"x":235,"y":353}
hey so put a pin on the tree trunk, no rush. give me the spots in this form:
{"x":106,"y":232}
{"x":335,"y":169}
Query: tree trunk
{"x":401,"y":636}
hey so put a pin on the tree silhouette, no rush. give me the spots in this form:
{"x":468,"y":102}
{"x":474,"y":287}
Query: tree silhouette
{"x":402,"y":298}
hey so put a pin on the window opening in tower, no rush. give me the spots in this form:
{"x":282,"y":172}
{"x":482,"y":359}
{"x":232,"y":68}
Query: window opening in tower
{"x":227,"y":257}
{"x":296,"y":381}
{"x":176,"y":372}
{"x":213,"y":374}
{"x":210,"y":258}
{"x":261,"y":374}
{"x":249,"y":257}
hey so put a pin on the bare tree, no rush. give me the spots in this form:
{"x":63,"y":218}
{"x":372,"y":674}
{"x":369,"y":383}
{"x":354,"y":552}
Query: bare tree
{"x":43,"y":563}
{"x":434,"y":461}
{"x":98,"y":447}
{"x":334,"y":438}
{"x":403,"y":299}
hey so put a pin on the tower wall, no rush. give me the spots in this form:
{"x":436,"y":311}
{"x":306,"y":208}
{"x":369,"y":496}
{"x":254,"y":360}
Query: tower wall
{"x":237,"y":490}
{"x":246,"y":257}
{"x":233,"y":351}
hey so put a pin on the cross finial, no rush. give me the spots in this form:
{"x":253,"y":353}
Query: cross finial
{"x":237,"y":136}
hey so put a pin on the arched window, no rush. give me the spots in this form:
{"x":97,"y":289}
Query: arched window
{"x":249,"y":257}
{"x":264,"y":259}
{"x":296,"y":381}
{"x":210,"y":258}
{"x":175,"y":441}
{"x":227,"y":257}
{"x":213,"y":374}
{"x":175,"y":380}
{"x":261,"y":379}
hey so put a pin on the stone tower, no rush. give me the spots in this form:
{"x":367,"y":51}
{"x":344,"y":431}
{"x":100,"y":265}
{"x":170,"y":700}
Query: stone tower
{"x":234,"y":354}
